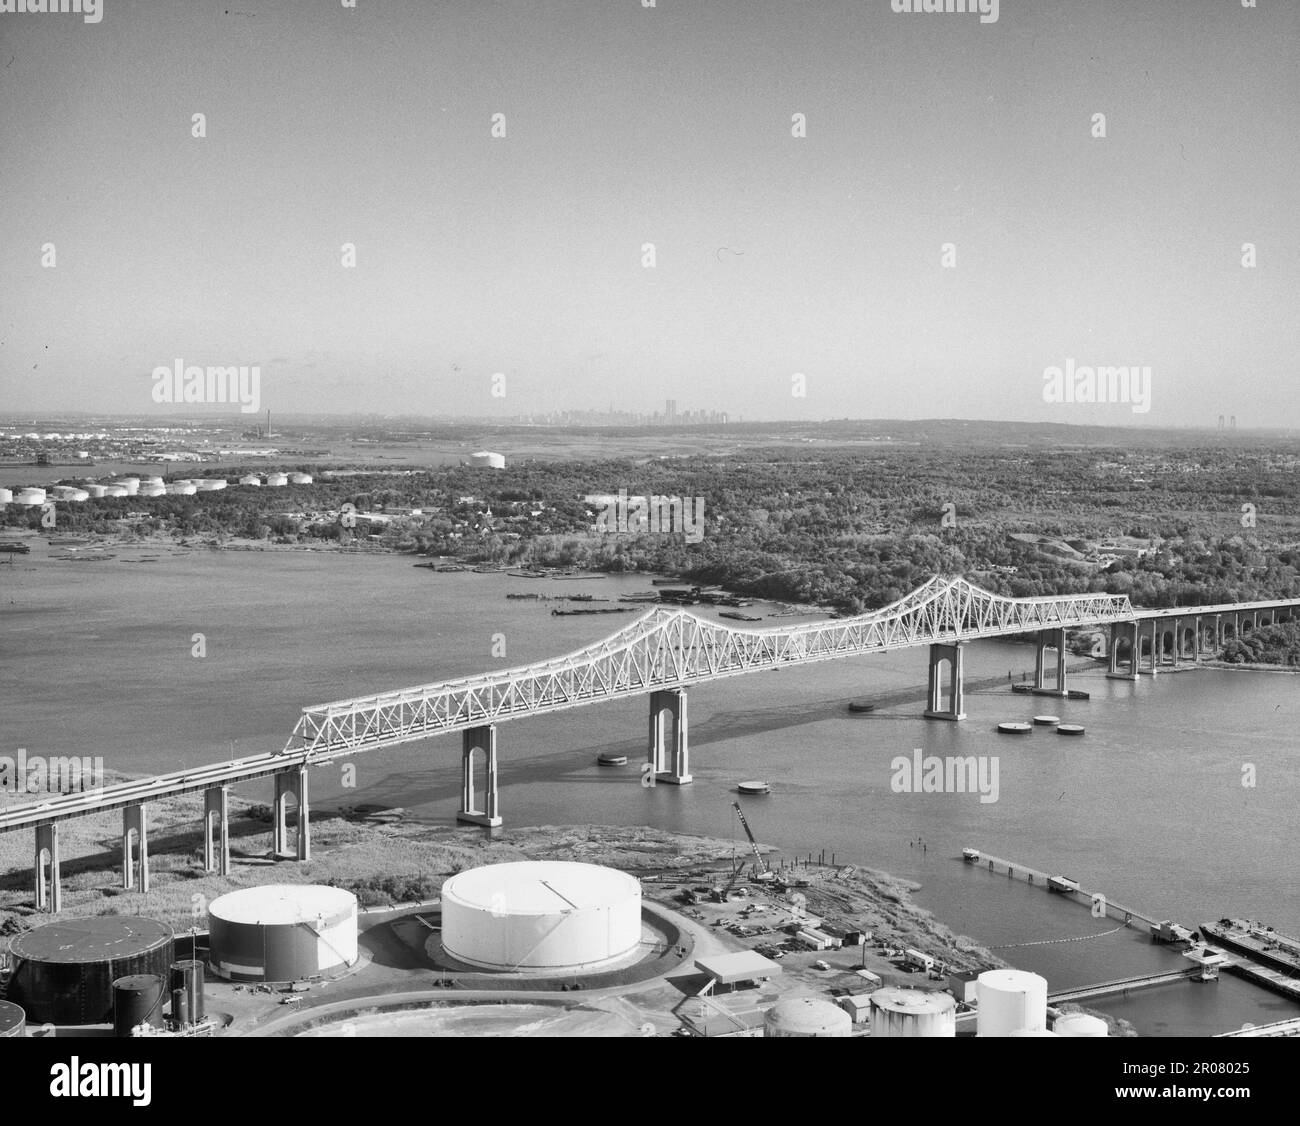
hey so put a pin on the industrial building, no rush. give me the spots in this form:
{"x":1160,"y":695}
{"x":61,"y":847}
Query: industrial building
{"x":543,"y":916}
{"x":282,"y":932}
{"x":63,"y":972}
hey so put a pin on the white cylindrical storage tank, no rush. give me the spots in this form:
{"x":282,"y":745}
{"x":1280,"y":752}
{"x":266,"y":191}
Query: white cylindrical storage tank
{"x":276,"y":480}
{"x":115,"y":490}
{"x":211,"y":484}
{"x":806,"y":1016}
{"x":1031,"y":1032}
{"x":282,"y":932}
{"x":6,"y":496}
{"x":1010,"y":1000}
{"x":29,"y":496}
{"x":152,"y":490}
{"x":300,"y":478}
{"x":152,"y":481}
{"x":1079,"y":1024}
{"x":541,"y":915}
{"x":130,"y":484}
{"x":486,"y":460}
{"x":96,"y":491}
{"x":181,"y":488}
{"x":78,"y":495}
{"x":250,"y":479}
{"x":912,"y":1012}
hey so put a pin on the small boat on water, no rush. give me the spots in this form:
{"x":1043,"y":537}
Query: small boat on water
{"x":855,"y":706}
{"x":736,"y":617}
{"x":600,"y":610}
{"x":608,"y":758}
{"x":521,"y":574}
{"x":754,"y":788}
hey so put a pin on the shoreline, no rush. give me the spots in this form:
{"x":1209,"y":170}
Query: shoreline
{"x":359,"y":852}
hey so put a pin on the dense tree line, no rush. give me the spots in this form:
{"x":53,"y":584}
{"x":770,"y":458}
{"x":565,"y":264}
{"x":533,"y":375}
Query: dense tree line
{"x":853,"y":528}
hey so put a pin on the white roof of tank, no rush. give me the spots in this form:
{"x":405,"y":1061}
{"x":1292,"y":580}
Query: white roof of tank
{"x":806,"y":1012}
{"x":1013,"y":981}
{"x":540,"y":887}
{"x":897,"y":1000}
{"x":281,"y":903}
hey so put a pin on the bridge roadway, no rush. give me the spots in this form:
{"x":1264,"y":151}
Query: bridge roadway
{"x":658,"y":655}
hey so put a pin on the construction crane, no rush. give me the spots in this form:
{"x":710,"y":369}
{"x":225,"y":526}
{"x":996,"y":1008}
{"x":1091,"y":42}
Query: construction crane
{"x":761,"y":871}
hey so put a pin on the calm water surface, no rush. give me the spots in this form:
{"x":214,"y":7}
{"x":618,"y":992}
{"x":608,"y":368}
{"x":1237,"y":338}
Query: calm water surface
{"x":1148,"y":806}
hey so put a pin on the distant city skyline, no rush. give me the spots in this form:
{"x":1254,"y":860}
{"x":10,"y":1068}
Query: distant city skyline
{"x":780,"y":212}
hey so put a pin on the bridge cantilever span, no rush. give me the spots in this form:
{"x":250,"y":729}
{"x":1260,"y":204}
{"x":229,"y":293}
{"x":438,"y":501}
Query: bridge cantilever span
{"x":671,"y":649}
{"x":658,"y":655}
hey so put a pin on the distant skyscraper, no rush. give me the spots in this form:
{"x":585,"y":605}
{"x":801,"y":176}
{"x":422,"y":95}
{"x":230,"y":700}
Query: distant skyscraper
{"x":670,"y":410}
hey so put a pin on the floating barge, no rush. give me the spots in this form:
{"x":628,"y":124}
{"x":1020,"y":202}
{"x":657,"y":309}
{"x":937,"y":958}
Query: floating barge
{"x":1260,"y":942}
{"x":1071,"y":694}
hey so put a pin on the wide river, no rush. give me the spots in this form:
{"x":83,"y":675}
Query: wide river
{"x":1148,"y":806}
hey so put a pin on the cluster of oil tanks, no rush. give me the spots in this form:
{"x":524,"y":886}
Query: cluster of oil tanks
{"x":1010,"y":1003}
{"x":92,"y":971}
{"x":140,"y":486}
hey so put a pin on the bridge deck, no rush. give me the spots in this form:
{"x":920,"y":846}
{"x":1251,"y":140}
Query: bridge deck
{"x":663,"y":649}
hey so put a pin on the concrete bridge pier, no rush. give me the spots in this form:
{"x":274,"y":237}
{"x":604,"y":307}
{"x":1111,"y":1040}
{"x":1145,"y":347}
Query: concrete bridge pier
{"x":216,"y":816}
{"x":1117,"y":633}
{"x":133,"y":821}
{"x":1050,"y":639}
{"x":291,"y":783}
{"x":669,"y":756}
{"x":1156,"y":638}
{"x":47,"y":853}
{"x":476,"y":739}
{"x":939,"y":653}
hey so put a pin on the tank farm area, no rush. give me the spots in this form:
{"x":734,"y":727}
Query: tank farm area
{"x":710,"y":947}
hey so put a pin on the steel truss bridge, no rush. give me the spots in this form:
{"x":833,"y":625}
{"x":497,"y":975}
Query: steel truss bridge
{"x":660,"y":655}
{"x":673,"y":648}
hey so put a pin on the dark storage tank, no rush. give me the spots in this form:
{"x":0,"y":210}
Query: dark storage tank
{"x":137,"y":999}
{"x":64,"y":971}
{"x":13,"y":1021}
{"x":187,"y":991}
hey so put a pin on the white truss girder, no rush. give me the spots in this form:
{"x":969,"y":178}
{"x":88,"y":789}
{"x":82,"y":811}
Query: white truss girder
{"x":672,"y":648}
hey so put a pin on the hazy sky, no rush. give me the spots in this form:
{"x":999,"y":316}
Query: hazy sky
{"x":668,"y":125}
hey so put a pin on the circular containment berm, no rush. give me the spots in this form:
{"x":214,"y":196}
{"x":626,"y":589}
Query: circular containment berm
{"x":282,"y":932}
{"x":64,"y":971}
{"x":545,"y":916}
{"x":806,"y":1016}
{"x":912,"y":1012}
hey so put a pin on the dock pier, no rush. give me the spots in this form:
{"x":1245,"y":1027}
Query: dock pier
{"x":1161,"y":930}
